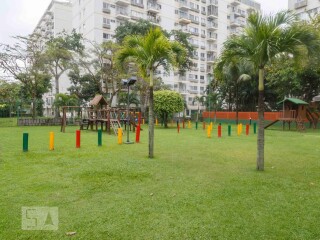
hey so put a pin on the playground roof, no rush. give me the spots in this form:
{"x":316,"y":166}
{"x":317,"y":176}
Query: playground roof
{"x":316,"y":98}
{"x":295,"y":101}
{"x":98,"y":99}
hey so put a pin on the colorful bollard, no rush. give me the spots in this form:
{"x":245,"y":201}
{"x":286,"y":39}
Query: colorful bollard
{"x":100,"y":137}
{"x":78,"y":138}
{"x":25,"y":142}
{"x":189,"y":124}
{"x":209,"y":131}
{"x":156,"y":121}
{"x":138,"y":134}
{"x":119,"y":135}
{"x":229,"y":130}
{"x":247,"y":129}
{"x":255,"y":128}
{"x":219,"y":131}
{"x":51,"y":141}
{"x":183,"y":124}
{"x":178,"y":127}
{"x":143,"y":121}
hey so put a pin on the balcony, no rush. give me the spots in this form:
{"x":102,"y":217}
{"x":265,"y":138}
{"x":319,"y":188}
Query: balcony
{"x":122,"y":15}
{"x":183,"y":5}
{"x":212,"y":26}
{"x":123,"y":2}
{"x":106,"y":10}
{"x":153,"y":7}
{"x":300,"y":4}
{"x":235,"y":3}
{"x":195,"y":21}
{"x":194,"y":9}
{"x":237,"y":23}
{"x":193,"y":91}
{"x":193,"y":80}
{"x":154,"y":20}
{"x":106,"y":25}
{"x":194,"y":33}
{"x":182,"y":79}
{"x":213,"y":2}
{"x":202,"y":69}
{"x":134,"y":3}
{"x":211,"y":59}
{"x":212,"y":14}
{"x":212,"y":37}
{"x":184,"y":19}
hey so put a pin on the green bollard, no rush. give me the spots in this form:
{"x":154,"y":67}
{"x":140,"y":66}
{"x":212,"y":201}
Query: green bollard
{"x":255,"y":128}
{"x":99,"y":137}
{"x":229,"y":130}
{"x":25,"y":142}
{"x":196,"y":125}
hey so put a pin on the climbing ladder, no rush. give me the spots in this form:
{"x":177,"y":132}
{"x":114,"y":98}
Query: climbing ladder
{"x":115,"y":124}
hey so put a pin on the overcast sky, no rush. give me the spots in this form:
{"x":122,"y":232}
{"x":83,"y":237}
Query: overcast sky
{"x":19,"y":17}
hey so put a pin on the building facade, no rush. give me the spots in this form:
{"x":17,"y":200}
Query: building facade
{"x":56,"y":19}
{"x":304,"y":8}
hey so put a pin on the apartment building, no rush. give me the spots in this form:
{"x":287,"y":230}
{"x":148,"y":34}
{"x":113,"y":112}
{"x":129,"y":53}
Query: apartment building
{"x":56,"y":19}
{"x":209,"y":23}
{"x":304,"y":8}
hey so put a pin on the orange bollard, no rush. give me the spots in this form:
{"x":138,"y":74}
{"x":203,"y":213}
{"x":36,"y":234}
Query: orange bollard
{"x":78,"y":138}
{"x":178,"y":127}
{"x":247,"y":129}
{"x":183,"y":124}
{"x":219,"y":131}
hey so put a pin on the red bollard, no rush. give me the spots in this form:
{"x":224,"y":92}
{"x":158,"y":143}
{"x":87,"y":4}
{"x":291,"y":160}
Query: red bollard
{"x":247,"y":129}
{"x":78,"y":139}
{"x":219,"y":131}
{"x":204,"y":125}
{"x":183,"y":124}
{"x":138,"y":134}
{"x":178,"y":127}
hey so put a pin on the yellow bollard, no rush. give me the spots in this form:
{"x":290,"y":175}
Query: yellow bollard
{"x":143,"y":121}
{"x":238,"y":130}
{"x":156,"y":121}
{"x":51,"y":141}
{"x":209,"y":131}
{"x":119,"y":135}
{"x":189,"y":124}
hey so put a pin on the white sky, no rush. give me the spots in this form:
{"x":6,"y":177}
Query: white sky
{"x":19,"y":17}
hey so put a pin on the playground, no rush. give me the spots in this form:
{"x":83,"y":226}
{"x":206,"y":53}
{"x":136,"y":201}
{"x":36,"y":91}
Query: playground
{"x":195,"y":188}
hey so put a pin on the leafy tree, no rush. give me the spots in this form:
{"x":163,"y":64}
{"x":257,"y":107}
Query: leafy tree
{"x":100,"y":64}
{"x":264,"y":38}
{"x":62,"y":99}
{"x":167,"y":102}
{"x":150,"y":52}
{"x":24,"y":61}
{"x":59,"y":54}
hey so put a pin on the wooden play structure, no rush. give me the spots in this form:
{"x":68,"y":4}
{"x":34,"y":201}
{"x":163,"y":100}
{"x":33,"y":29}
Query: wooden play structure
{"x":295,"y":111}
{"x":100,"y":114}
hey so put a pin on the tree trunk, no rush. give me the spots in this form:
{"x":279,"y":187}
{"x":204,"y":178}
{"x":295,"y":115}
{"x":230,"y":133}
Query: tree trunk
{"x":165,"y":120}
{"x":260,"y":141}
{"x":151,"y":117}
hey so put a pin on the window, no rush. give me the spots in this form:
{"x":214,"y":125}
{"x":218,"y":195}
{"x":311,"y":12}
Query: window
{"x":106,"y":36}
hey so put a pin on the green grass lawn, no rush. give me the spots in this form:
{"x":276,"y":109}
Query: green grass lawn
{"x":195,"y":187}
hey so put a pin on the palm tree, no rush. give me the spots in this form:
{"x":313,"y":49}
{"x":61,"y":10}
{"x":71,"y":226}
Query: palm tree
{"x":264,"y":38}
{"x":198,"y":100}
{"x":150,"y":52}
{"x":234,"y":72}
